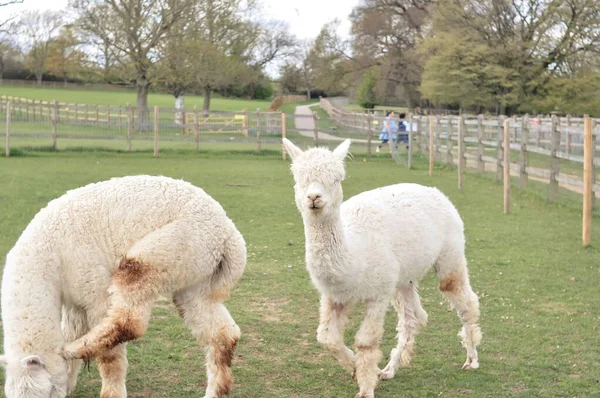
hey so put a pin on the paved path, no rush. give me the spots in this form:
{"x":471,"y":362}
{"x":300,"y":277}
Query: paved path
{"x":305,"y":124}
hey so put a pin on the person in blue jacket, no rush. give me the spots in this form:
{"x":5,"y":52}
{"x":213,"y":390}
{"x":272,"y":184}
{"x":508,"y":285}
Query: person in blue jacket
{"x":388,"y":129}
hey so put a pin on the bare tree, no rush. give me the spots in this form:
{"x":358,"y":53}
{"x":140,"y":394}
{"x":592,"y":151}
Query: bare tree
{"x":135,"y":28}
{"x":36,"y":30}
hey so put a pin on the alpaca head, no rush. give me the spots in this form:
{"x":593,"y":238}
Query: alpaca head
{"x":318,"y":174}
{"x":35,"y":377}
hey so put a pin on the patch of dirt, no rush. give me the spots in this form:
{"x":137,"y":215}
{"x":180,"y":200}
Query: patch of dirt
{"x":519,"y":389}
{"x":271,"y":309}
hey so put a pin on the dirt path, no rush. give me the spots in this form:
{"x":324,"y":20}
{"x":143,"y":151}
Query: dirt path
{"x":305,"y":125}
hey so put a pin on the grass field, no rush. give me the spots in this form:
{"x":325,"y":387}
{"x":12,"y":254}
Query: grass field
{"x":538,"y":288}
{"x":122,"y":98}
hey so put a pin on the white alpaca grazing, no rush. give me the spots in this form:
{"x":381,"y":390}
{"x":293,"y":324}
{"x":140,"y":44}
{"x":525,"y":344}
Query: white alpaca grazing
{"x":95,"y":259}
{"x":375,"y":247}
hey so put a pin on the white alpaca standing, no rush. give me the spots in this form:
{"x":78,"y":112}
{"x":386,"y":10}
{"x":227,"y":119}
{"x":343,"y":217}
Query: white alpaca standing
{"x":375,"y":247}
{"x":95,"y":259}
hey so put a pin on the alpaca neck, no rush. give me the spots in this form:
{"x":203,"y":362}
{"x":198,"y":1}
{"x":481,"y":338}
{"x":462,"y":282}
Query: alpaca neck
{"x":31,"y":305}
{"x":325,"y":241}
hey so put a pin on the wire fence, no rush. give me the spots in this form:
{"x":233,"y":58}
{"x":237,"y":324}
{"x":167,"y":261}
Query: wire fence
{"x":36,"y":124}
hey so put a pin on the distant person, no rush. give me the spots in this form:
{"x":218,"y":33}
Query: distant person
{"x":389,"y":126}
{"x":402,"y":128}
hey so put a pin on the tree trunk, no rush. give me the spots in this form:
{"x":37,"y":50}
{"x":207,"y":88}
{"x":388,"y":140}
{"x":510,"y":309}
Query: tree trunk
{"x":1,"y":67}
{"x":308,"y":93}
{"x":206,"y":105}
{"x":38,"y":76}
{"x":142,"y":103}
{"x":179,"y":106}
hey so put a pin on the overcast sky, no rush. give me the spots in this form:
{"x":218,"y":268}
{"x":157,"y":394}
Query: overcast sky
{"x":305,"y":17}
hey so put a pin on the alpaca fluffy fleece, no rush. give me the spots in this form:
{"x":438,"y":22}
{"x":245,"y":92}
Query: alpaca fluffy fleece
{"x":375,"y":247}
{"x":64,"y":264}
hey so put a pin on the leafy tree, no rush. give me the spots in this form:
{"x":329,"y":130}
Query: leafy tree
{"x":366,"y":92}
{"x":36,"y":30}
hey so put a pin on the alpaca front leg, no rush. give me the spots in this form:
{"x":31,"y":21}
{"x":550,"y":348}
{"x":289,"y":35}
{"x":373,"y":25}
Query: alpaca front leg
{"x":112,"y":366}
{"x":330,"y":333}
{"x":368,"y":353}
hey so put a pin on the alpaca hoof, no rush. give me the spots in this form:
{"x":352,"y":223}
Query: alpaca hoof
{"x":365,"y":395}
{"x":387,"y":373}
{"x":471,"y":364}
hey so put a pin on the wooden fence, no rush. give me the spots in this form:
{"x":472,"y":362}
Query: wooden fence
{"x":29,"y":117}
{"x":530,"y":148}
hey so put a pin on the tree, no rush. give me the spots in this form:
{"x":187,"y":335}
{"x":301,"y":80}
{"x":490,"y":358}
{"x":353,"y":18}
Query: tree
{"x":386,"y":35}
{"x":64,"y":59}
{"x":508,"y":50}
{"x":36,"y":30}
{"x":366,"y":92}
{"x":290,"y":78}
{"x":135,"y":29}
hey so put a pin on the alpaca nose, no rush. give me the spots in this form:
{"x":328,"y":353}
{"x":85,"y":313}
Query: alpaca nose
{"x":313,"y":196}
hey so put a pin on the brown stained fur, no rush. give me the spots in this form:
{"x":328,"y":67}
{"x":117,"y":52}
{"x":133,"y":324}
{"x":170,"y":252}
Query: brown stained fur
{"x":179,"y":308}
{"x":451,"y":283}
{"x":109,"y":366}
{"x":224,"y":348}
{"x":132,"y":272}
{"x":126,"y":327}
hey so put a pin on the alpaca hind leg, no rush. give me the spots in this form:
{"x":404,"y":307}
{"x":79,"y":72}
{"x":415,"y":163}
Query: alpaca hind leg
{"x":412,"y":318}
{"x":155,"y":264}
{"x":112,"y":366}
{"x":368,"y":353}
{"x":74,"y":325}
{"x":215,"y":330}
{"x":330,"y":333}
{"x":454,"y":284}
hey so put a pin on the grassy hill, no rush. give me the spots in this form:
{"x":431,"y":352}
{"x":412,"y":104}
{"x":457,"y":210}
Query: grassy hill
{"x":116,"y":98}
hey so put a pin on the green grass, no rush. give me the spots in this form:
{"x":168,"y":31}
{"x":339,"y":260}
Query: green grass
{"x":538,"y":288}
{"x":122,"y":98}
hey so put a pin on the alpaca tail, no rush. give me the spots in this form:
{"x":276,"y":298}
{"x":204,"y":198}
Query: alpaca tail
{"x":230,"y":268}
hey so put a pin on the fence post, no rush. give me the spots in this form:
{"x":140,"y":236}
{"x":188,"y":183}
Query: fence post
{"x":438,"y":142}
{"x":431,"y":148}
{"x":246,"y":124}
{"x":129,"y":126}
{"x":506,"y":169}
{"x":461,"y":150}
{"x":523,"y":153}
{"x":480,"y":147}
{"x":33,"y":110}
{"x":258,"y":143}
{"x":369,"y":133}
{"x":7,"y":145}
{"x":108,"y":115}
{"x":588,"y":165}
{"x":54,"y":113}
{"x":315,"y":129}
{"x":419,"y":136}
{"x":449,"y":143}
{"x":499,"y":150}
{"x":410,"y":141}
{"x":283,"y":134}
{"x":196,"y":129}
{"x":594,"y":139}
{"x":156,"y":120}
{"x":554,"y":160}
{"x":569,"y":137}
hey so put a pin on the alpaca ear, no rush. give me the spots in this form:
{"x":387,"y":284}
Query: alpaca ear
{"x":292,"y":149}
{"x":32,"y":362}
{"x":342,"y":150}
